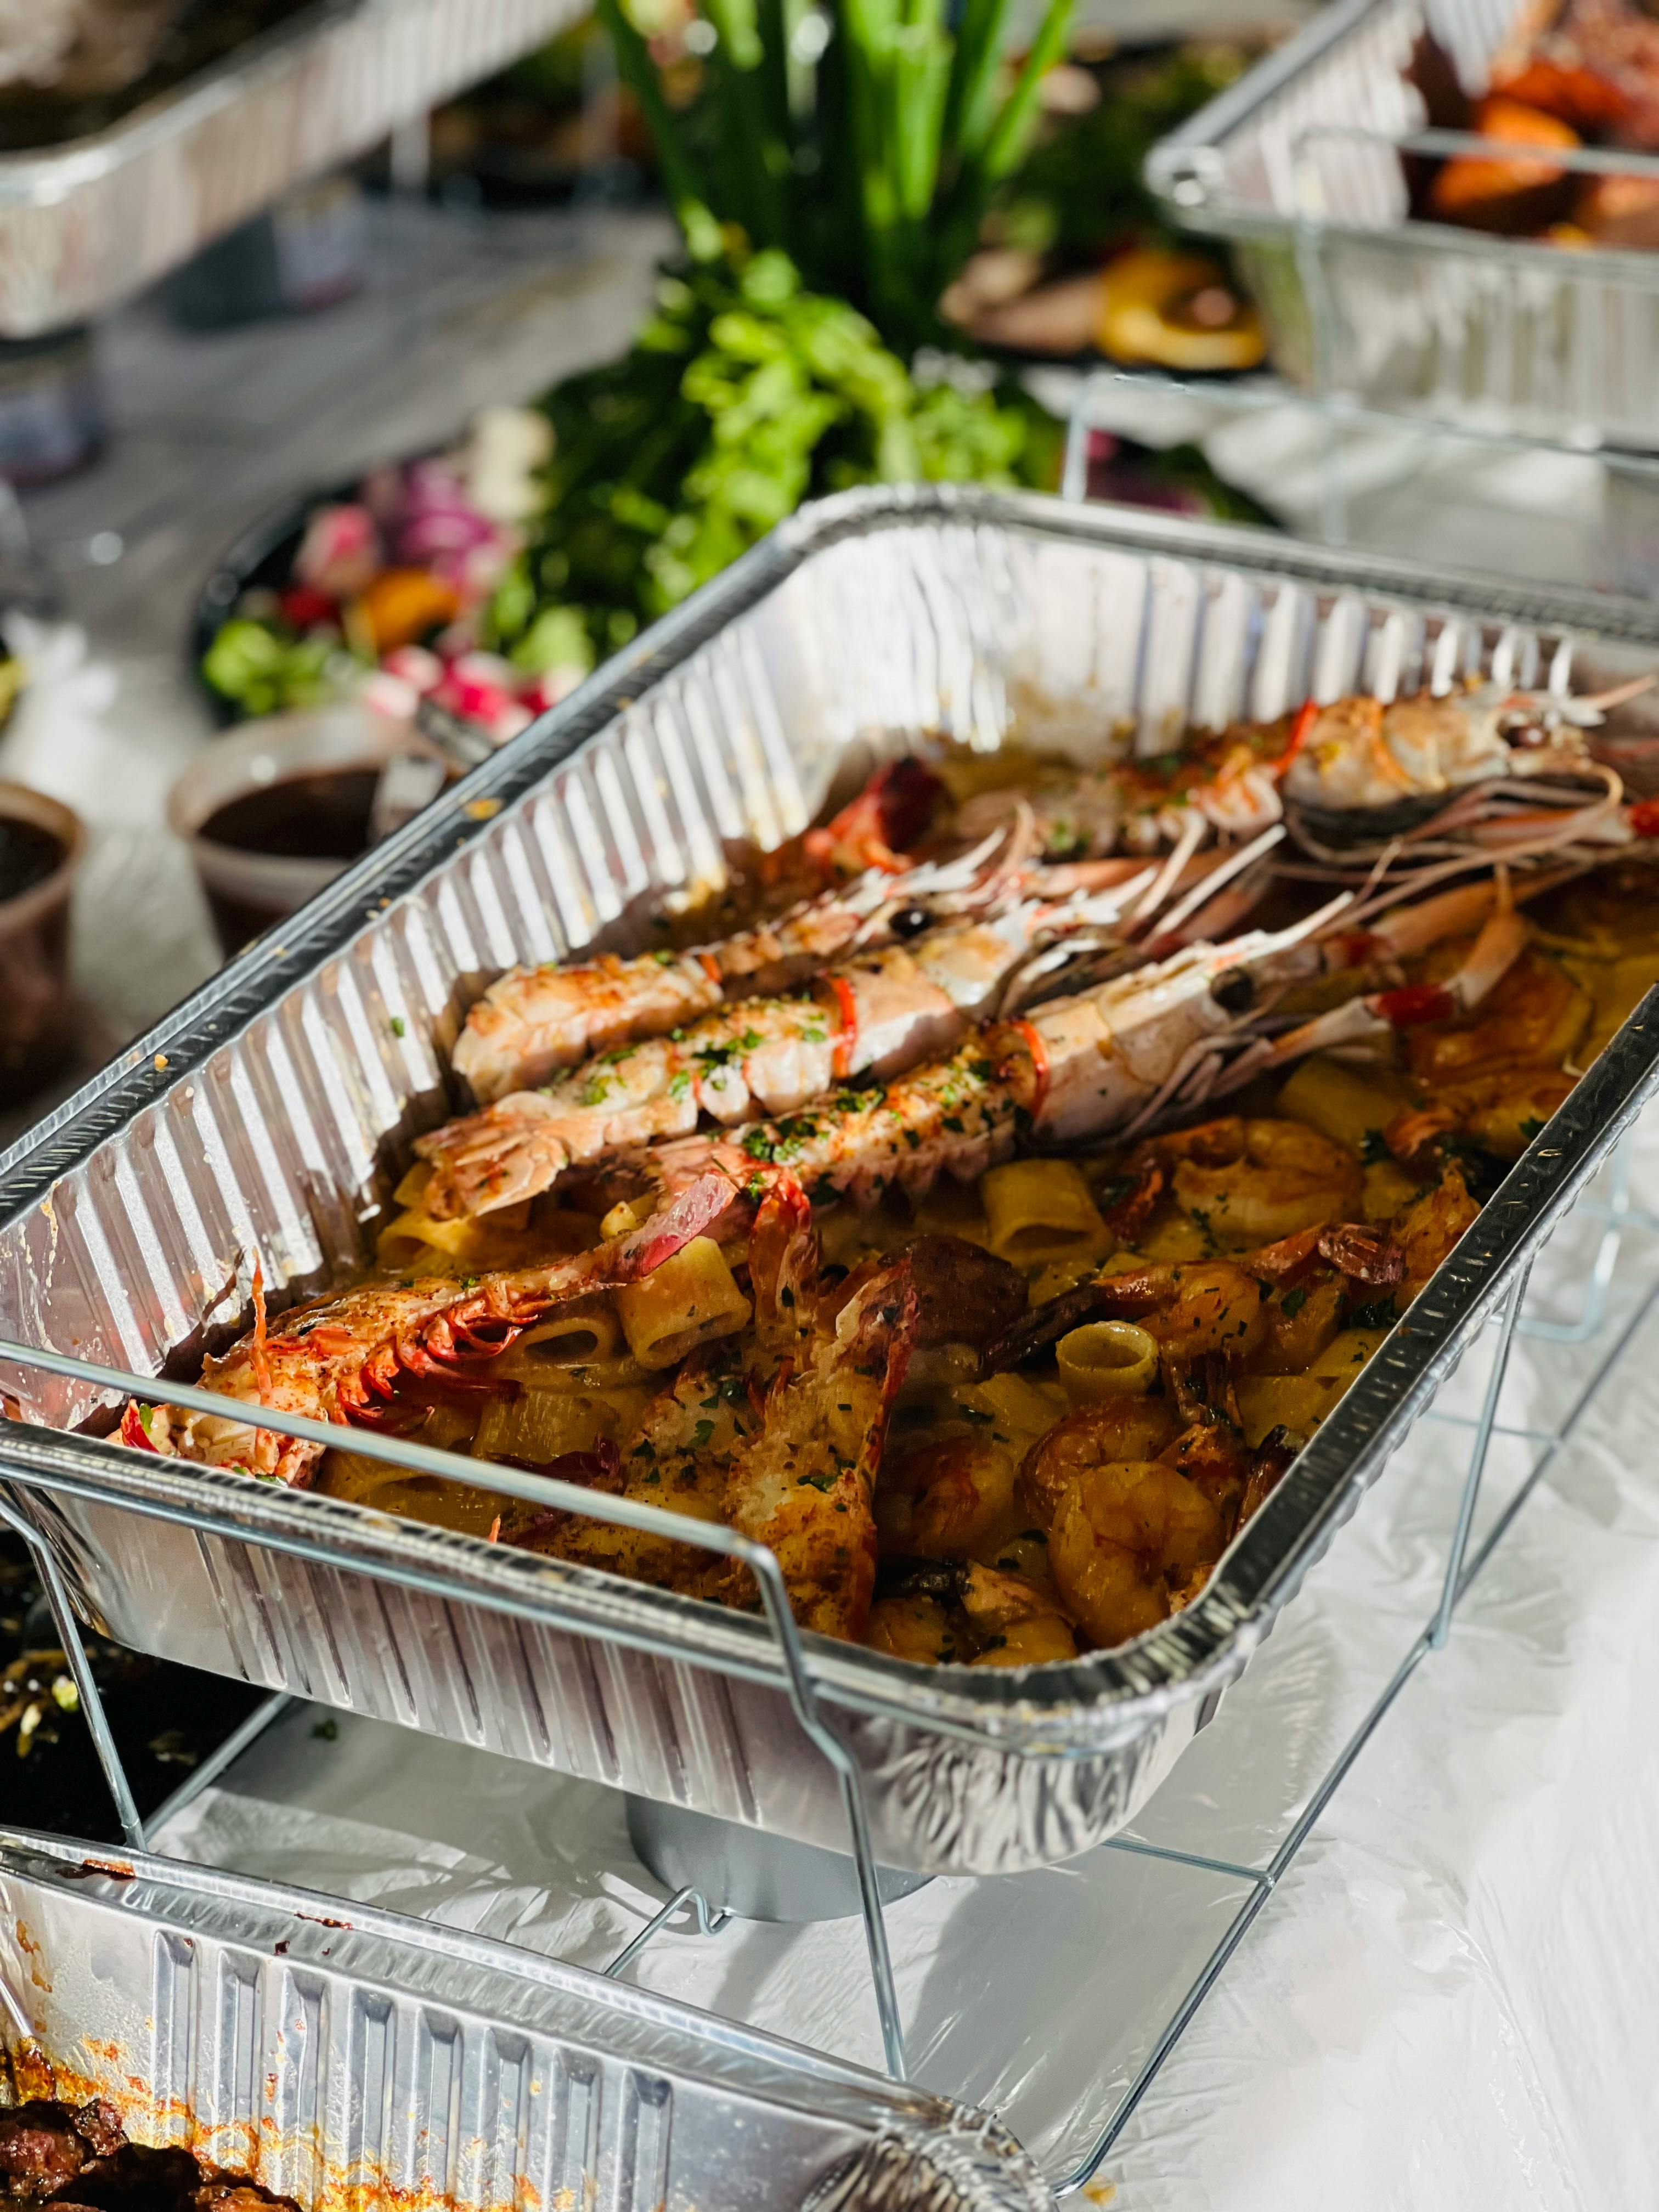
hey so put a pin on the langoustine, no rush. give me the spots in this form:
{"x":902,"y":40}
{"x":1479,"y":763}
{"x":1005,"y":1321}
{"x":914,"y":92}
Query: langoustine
{"x":832,"y":884}
{"x":874,"y":1014}
{"x":1360,"y":781}
{"x":1108,"y":1060}
{"x":1471,"y":767}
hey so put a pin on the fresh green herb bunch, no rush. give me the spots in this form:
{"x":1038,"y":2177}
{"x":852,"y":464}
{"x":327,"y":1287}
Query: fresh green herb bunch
{"x":863,"y":137}
{"x":743,"y":395}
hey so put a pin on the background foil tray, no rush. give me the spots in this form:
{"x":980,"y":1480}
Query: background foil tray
{"x":1360,"y":301}
{"x":272,"y":1111}
{"x":88,"y":223}
{"x":348,"y":2057}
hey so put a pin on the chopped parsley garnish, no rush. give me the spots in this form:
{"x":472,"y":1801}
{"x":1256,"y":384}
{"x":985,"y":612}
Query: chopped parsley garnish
{"x":1377,"y":1313}
{"x":1373,"y":1151}
{"x":398,"y":1026}
{"x":1293,"y":1303}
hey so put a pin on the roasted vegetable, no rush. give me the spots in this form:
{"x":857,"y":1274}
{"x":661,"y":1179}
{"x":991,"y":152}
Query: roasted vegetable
{"x":1515,"y":197}
{"x":1176,"y":310}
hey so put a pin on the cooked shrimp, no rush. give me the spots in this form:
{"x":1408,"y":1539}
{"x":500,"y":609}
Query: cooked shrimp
{"x":1250,"y":1182}
{"x":1019,"y":1622}
{"x":915,"y":1625}
{"x":944,"y":1498}
{"x":1127,"y":1542}
{"x":1430,"y":1226}
{"x":1116,"y":1429}
{"x":956,"y":1610}
{"x":335,"y":1358}
{"x":1501,"y":1111}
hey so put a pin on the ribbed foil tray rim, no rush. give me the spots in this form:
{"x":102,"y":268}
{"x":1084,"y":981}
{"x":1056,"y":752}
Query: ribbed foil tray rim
{"x":1075,"y":1710}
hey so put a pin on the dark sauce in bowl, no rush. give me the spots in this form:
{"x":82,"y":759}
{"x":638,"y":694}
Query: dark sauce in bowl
{"x":28,"y":854}
{"x":323,"y":816}
{"x":304,"y":817}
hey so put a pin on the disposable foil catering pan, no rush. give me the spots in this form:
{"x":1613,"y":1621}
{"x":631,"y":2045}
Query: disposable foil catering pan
{"x":350,"y":2059}
{"x":1297,"y":163}
{"x":87,"y":223}
{"x":271,"y":1112}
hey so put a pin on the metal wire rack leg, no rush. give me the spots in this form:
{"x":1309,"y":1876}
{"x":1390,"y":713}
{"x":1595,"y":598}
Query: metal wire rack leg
{"x":709,"y":1923}
{"x":79,"y":1666}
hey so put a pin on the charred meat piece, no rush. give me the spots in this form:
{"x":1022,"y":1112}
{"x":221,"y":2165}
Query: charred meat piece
{"x":964,"y":1295}
{"x":44,"y":2145}
{"x":133,"y":2179}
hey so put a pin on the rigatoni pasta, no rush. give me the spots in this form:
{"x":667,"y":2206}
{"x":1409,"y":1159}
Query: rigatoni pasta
{"x":690,"y":1300}
{"x":1038,"y":1211}
{"x":586,"y":1335}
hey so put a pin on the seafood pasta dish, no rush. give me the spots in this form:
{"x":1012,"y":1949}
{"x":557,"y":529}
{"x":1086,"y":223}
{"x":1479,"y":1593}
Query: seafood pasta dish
{"x":982,"y":1199}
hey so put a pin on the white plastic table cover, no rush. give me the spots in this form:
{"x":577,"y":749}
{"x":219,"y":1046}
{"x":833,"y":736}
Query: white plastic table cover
{"x":1447,"y":2006}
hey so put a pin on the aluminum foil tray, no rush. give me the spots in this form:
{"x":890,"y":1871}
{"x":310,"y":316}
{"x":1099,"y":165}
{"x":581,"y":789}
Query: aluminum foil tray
{"x":1507,"y":334}
{"x":351,"y":2058}
{"x":272,"y":1111}
{"x":85,"y":224}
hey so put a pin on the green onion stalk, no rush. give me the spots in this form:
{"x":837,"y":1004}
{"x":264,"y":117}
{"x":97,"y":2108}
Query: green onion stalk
{"x":866,"y":140}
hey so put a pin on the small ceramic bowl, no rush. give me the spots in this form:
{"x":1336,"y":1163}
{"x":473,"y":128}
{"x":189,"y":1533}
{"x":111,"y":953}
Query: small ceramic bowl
{"x":273,"y":814}
{"x":40,"y":845}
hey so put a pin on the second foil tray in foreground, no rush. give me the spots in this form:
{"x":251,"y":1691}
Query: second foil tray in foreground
{"x":348,"y":2057}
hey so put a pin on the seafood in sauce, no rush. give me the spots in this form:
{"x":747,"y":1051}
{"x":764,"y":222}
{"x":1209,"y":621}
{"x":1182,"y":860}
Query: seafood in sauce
{"x":1004,"y":1314}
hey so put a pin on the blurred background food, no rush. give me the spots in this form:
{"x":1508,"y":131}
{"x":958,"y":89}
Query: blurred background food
{"x":69,"y":67}
{"x":1570,"y":74}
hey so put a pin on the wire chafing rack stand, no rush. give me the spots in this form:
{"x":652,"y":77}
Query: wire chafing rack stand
{"x":1617,"y":1217}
